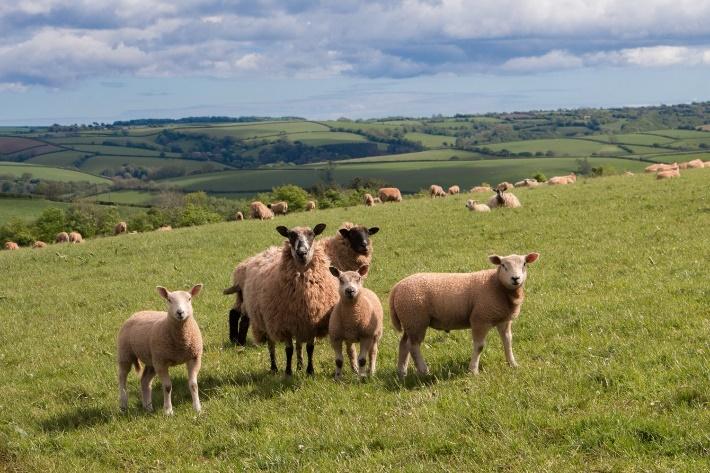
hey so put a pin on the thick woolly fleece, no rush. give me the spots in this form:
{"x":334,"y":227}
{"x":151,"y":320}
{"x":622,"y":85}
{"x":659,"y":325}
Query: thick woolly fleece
{"x":351,"y":321}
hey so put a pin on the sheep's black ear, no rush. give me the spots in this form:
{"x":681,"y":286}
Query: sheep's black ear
{"x":268,"y":205}
{"x":362,"y":270}
{"x":373,"y":230}
{"x":495,"y":259}
{"x":345,"y":232}
{"x":319,"y":229}
{"x":162,"y":291}
{"x":334,"y":271}
{"x":283,"y":231}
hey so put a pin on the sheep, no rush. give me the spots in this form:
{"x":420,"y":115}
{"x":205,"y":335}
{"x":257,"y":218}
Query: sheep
{"x":62,"y":237}
{"x":706,"y":164}
{"x":75,"y":237}
{"x":349,"y":249}
{"x":239,"y":216}
{"x":475,"y":206}
{"x":453,"y":190}
{"x":628,"y":173}
{"x":260,"y":211}
{"x":667,"y":174}
{"x":504,"y":186}
{"x":390,"y":194}
{"x":121,"y":227}
{"x":279,"y":208}
{"x":369,"y":201}
{"x":39,"y":244}
{"x":377,"y":200}
{"x":436,"y":191}
{"x":481,"y":189}
{"x":310,"y":205}
{"x":165,"y":228}
{"x":503,"y":199}
{"x":455,"y":301}
{"x":651,"y":168}
{"x":357,"y":316}
{"x":294,"y":297}
{"x":695,"y":164}
{"x":11,"y":245}
{"x":527,"y":183}
{"x":680,"y":166}
{"x":571,"y":178}
{"x":160,"y":340}
{"x":661,"y":167}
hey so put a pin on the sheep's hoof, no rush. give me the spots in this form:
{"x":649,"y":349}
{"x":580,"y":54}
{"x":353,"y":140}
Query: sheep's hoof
{"x":401,"y":375}
{"x":310,"y":371}
{"x":514,"y":365}
{"x":148,"y":408}
{"x":168,"y":412}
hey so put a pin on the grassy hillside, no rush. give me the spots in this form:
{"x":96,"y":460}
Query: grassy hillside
{"x":26,"y":209}
{"x":51,"y":173}
{"x":612,"y":343}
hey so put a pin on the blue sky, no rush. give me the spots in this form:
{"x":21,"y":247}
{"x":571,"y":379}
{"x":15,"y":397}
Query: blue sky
{"x":78,"y":61}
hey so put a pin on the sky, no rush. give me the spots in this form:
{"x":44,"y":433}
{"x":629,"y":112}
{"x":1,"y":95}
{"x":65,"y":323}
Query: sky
{"x":78,"y":61}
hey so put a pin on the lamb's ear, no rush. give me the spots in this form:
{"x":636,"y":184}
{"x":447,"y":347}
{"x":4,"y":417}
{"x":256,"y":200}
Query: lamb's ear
{"x":196,"y":289}
{"x":363,"y":270}
{"x":344,"y":232}
{"x":319,"y":229}
{"x":162,"y":292}
{"x":532,"y":257}
{"x":334,"y":271}
{"x":495,"y":259}
{"x":283,"y":231}
{"x":373,"y":230}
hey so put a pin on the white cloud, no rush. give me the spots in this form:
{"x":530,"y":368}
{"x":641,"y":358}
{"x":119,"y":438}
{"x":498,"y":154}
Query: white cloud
{"x":553,"y":60}
{"x":12,"y":87}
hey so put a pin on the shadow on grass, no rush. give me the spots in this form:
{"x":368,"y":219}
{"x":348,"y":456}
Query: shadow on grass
{"x":77,"y":418}
{"x":450,"y":369}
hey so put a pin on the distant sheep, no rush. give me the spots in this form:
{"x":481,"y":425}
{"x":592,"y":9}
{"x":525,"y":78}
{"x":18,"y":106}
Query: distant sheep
{"x":628,"y":173}
{"x":260,"y":211}
{"x":368,"y":200}
{"x":11,"y":245}
{"x":667,"y":174}
{"x":165,"y":228}
{"x":390,"y":194}
{"x":377,"y":200}
{"x":527,"y":183}
{"x":481,"y":189}
{"x":160,"y":340}
{"x":39,"y":244}
{"x":121,"y":227}
{"x":562,"y":180}
{"x":504,"y":186}
{"x":356,"y":317}
{"x":454,"y":301}
{"x":680,"y":166}
{"x":75,"y":237}
{"x":62,"y":237}
{"x":279,"y":208}
{"x":436,"y":191}
{"x":453,"y":190}
{"x":239,"y":216}
{"x":475,"y":206}
{"x":696,"y":164}
{"x":503,"y":199}
{"x":310,"y":205}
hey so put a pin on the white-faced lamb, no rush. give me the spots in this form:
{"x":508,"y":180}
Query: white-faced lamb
{"x":310,"y":205}
{"x":160,"y":340}
{"x":475,"y":206}
{"x":477,"y":301}
{"x":368,"y":200}
{"x":357,"y":317}
{"x":239,"y":216}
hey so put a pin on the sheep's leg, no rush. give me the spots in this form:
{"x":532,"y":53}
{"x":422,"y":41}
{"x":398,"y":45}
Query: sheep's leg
{"x":299,"y":356}
{"x":505,"y":330}
{"x":123,"y":370}
{"x":418,"y":358}
{"x":193,"y":367}
{"x":234,"y":316}
{"x":365,"y":347}
{"x":289,"y":357}
{"x":338,"y":349}
{"x":272,"y":356}
{"x":243,"y":329}
{"x":403,"y":359}
{"x":352,"y":356}
{"x":373,"y":358}
{"x":479,"y":341}
{"x":162,"y":371}
{"x":310,"y":346}
{"x":146,"y":391}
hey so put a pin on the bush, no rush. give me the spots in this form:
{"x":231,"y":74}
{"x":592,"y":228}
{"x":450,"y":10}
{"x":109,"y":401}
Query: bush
{"x":19,"y":231}
{"x":604,"y":170}
{"x":294,"y":195}
{"x":540,"y":177}
{"x":196,"y":215}
{"x":140,"y":222}
{"x":49,"y":223}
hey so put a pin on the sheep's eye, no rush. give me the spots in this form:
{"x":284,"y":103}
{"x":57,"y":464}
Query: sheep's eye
{"x":189,"y":299}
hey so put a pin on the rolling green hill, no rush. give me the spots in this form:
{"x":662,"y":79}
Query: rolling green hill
{"x":51,"y":173}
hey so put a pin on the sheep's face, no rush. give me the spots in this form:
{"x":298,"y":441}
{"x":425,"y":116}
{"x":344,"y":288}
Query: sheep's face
{"x":350,"y":281}
{"x":513,"y":269}
{"x":179,"y":302}
{"x":300,"y":239}
{"x":469,"y":203}
{"x":359,"y":238}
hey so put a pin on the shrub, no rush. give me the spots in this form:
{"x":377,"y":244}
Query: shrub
{"x":294,"y":195}
{"x":196,"y":215}
{"x":540,"y":177}
{"x":17,"y":230}
{"x":51,"y":221}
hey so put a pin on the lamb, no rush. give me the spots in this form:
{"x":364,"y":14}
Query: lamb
{"x":62,"y":237}
{"x":503,"y":199}
{"x":571,"y":178}
{"x":455,"y":301}
{"x":504,"y":186}
{"x":527,"y":183}
{"x":121,"y":227}
{"x":356,"y":317}
{"x":481,"y":189}
{"x":310,"y":205}
{"x":436,"y":191}
{"x":279,"y":208}
{"x":39,"y":244}
{"x":453,"y":190}
{"x":75,"y":237}
{"x":368,"y":200}
{"x":475,"y":206}
{"x":11,"y":245}
{"x":695,"y":164}
{"x":239,"y":216}
{"x":390,"y":194}
{"x":160,"y":340}
{"x":165,"y":228}
{"x":260,"y":211}
{"x":628,"y":173}
{"x":667,"y":174}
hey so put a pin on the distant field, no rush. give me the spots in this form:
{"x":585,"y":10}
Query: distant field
{"x":254,"y":129}
{"x":60,"y":158}
{"x":409,"y":176}
{"x":561,"y":147}
{"x":25,"y":209}
{"x":119,"y":150}
{"x":431,"y":141}
{"x":320,"y":138}
{"x":431,"y":155}
{"x":680,"y":134}
{"x":125,"y":197}
{"x":99,"y":163}
{"x":9,"y":144}
{"x":50,"y":173}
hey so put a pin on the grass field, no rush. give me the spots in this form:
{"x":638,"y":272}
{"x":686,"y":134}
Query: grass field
{"x":431,"y":141}
{"x":319,"y":138}
{"x":125,"y":197}
{"x":561,"y":147}
{"x":59,"y":159}
{"x":51,"y":173}
{"x":26,"y":209}
{"x":429,"y":155}
{"x":99,"y":163}
{"x":612,"y":342}
{"x":409,"y":176}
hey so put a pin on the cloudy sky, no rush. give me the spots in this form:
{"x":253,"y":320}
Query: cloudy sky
{"x":84,"y":60}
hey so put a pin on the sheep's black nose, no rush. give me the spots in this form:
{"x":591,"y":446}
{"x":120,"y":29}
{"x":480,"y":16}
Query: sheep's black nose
{"x":350,"y":291}
{"x":180,"y":312}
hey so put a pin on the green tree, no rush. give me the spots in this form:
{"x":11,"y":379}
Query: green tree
{"x":51,"y":221}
